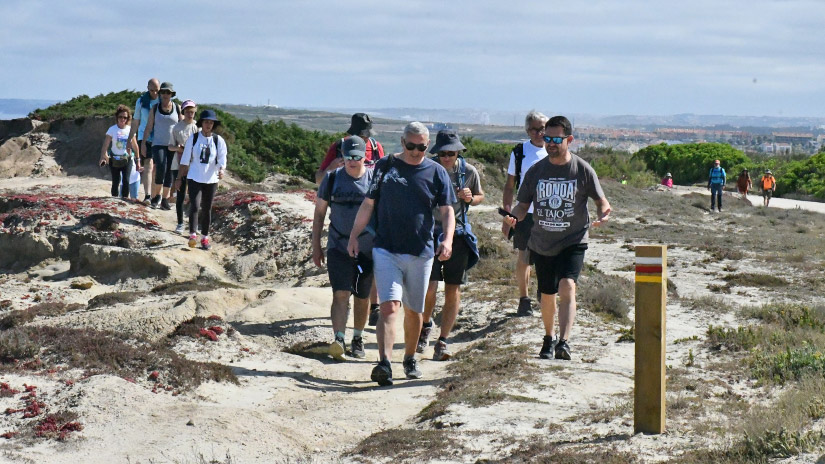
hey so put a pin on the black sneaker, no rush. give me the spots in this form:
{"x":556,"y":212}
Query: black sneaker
{"x":563,"y":350}
{"x":356,"y":347}
{"x":548,"y":346}
{"x":423,"y":339}
{"x":411,"y":368}
{"x":164,"y":204}
{"x":147,"y":199}
{"x":155,"y":201}
{"x":375,"y":311}
{"x":441,"y":352}
{"x":524,"y":307}
{"x":382,"y":373}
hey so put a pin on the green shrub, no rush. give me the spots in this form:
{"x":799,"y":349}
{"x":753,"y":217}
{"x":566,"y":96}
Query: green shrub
{"x":789,"y":364}
{"x":738,"y":339}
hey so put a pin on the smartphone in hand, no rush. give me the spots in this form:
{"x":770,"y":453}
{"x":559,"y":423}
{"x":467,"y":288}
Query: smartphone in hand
{"x":505,"y":213}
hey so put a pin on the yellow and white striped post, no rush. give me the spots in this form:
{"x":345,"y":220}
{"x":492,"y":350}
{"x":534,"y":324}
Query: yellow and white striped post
{"x":651,"y":301}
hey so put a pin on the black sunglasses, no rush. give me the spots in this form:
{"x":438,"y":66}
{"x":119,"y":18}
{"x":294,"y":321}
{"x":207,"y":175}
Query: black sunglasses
{"x":416,"y":146}
{"x":556,"y":140}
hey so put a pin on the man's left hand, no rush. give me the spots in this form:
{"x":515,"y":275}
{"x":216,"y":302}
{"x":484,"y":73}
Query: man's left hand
{"x":444,"y":251}
{"x":465,"y":195}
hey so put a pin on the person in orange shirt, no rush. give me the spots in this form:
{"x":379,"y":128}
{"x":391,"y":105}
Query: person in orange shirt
{"x":768,"y":183}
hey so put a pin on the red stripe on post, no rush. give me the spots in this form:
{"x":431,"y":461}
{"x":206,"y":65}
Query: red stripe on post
{"x":649,"y":269}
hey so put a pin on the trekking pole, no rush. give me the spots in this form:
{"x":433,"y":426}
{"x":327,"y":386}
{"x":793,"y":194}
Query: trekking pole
{"x":651,"y":299}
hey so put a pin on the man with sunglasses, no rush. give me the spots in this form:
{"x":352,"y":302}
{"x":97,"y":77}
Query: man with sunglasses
{"x":143,"y":106}
{"x":523,"y":156}
{"x":558,"y":188}
{"x":404,"y":190}
{"x":467,"y":185}
{"x":343,"y":190}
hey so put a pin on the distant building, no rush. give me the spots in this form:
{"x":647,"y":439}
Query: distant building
{"x":802,"y":138}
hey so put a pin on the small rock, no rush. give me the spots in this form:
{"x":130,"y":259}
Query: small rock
{"x":190,"y":423}
{"x":81,"y":285}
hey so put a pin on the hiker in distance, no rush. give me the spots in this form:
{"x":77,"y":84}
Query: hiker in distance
{"x":768,"y":184}
{"x":203,"y":164}
{"x":523,"y":156}
{"x":404,"y":190}
{"x":716,"y":183}
{"x":467,"y":185}
{"x":744,"y":183}
{"x":558,"y":188}
{"x":144,"y":103}
{"x":342,"y":190}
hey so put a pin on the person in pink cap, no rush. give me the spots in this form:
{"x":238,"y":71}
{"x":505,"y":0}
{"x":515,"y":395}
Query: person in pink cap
{"x":181,"y":132}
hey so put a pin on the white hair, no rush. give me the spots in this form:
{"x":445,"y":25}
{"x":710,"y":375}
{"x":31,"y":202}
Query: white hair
{"x":416,"y":128}
{"x":534,"y":115}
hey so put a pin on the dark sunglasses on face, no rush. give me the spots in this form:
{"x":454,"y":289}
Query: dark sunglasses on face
{"x":447,"y":154}
{"x":416,"y":146}
{"x":556,"y":140}
{"x":353,"y":157}
{"x":165,"y":92}
{"x":123,"y":117}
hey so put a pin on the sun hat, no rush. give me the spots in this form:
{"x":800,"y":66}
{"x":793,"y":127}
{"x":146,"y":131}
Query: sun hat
{"x":208,"y":115}
{"x":447,"y":140}
{"x":354,"y":146}
{"x":668,"y":175}
{"x":187,"y":104}
{"x":361,"y":125}
{"x":768,"y":171}
{"x":167,"y":86}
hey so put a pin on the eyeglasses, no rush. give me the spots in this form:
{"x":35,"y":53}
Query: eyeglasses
{"x":556,"y":140}
{"x":123,"y":117}
{"x":447,"y":154}
{"x":353,"y":157}
{"x":416,"y":146}
{"x":537,"y":130}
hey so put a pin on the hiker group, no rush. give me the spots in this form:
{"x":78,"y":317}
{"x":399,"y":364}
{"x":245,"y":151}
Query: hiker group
{"x":717,"y":179}
{"x":169,"y":152}
{"x":399,"y":224}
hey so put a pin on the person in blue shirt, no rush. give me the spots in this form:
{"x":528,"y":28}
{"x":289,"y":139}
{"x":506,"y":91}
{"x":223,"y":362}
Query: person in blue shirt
{"x":141,"y":118}
{"x":404,"y":190}
{"x":716,"y":182}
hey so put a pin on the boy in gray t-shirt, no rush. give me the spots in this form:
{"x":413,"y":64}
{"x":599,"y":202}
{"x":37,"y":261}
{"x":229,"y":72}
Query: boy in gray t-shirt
{"x":558,"y":188}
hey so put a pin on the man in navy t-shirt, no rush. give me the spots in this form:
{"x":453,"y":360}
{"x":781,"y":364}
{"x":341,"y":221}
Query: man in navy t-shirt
{"x":404,"y":190}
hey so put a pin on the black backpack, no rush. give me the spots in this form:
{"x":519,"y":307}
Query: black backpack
{"x":518,"y":151}
{"x":214,"y":139}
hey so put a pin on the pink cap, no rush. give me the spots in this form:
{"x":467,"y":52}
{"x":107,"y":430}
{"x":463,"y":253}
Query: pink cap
{"x":187,"y":104}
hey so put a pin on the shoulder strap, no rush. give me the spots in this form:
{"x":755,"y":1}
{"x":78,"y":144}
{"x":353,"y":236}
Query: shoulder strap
{"x":339,"y":152}
{"x":195,"y":138}
{"x":518,"y":151}
{"x":330,"y":184}
{"x":177,"y":109}
{"x":215,"y":139}
{"x":462,"y":174}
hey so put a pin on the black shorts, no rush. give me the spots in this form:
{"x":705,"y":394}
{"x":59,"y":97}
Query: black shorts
{"x":565,"y":265}
{"x":343,"y":274}
{"x":454,"y":270}
{"x":522,"y":233}
{"x":148,"y":152}
{"x":767,"y":193}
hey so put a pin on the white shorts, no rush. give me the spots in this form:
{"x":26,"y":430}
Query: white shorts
{"x":401,"y":278}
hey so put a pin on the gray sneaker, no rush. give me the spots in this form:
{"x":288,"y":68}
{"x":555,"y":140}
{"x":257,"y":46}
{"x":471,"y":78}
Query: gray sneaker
{"x":179,"y":229}
{"x":411,"y":368}
{"x":423,"y":339}
{"x":337,"y":349}
{"x":525,"y":307}
{"x":382,"y":373}
{"x":441,"y":352}
{"x":356,"y":347}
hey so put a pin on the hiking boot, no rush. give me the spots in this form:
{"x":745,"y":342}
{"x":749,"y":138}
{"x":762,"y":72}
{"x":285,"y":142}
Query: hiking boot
{"x":423,"y":339}
{"x":205,"y":244}
{"x":441,"y":352}
{"x":375,"y":312}
{"x":164,"y":204}
{"x":411,"y":368}
{"x":548,"y":346}
{"x":525,"y":307}
{"x":563,"y":350}
{"x":193,"y":240}
{"x":179,"y":229}
{"x":382,"y":373}
{"x":147,"y":199}
{"x":155,"y":201}
{"x":337,"y":349}
{"x":356,"y":347}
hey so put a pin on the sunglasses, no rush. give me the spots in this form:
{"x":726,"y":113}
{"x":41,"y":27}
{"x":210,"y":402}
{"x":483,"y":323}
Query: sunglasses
{"x":416,"y":146}
{"x":165,"y":92}
{"x":353,"y":157}
{"x":556,"y":140}
{"x":123,"y":117}
{"x":447,"y":154}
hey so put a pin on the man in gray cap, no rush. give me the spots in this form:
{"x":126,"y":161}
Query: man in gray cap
{"x":343,"y":190}
{"x":453,"y":272}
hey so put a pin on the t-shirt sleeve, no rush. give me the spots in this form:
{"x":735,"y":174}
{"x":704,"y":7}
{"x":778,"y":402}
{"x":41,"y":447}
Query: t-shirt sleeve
{"x":322,"y":189}
{"x":112,"y":132}
{"x":222,"y":152}
{"x":594,"y":187}
{"x":473,"y":181}
{"x":332,"y":152}
{"x":186,"y":157}
{"x":511,"y":168}
{"x":527,"y":188}
{"x":446,"y":197}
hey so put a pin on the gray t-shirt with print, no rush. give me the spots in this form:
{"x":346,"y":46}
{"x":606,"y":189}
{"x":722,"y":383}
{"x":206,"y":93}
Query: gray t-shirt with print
{"x":472,"y":181}
{"x":559,"y":196}
{"x":347,"y":195}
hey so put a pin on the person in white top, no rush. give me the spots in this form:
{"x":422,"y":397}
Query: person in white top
{"x":119,"y":146}
{"x":523,"y":156}
{"x":180,"y":134}
{"x":203,"y":162}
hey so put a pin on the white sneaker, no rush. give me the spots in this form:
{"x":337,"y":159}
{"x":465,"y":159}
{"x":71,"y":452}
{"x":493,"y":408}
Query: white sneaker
{"x":179,"y":229}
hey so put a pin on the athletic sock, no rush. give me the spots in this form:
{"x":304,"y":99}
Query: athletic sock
{"x":356,"y":333}
{"x":340,"y":334}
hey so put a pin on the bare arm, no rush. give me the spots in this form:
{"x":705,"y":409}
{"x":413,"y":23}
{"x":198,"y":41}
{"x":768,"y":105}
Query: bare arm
{"x":318,"y":226}
{"x":361,"y":221}
{"x":603,"y":211}
{"x":509,"y":190}
{"x":445,"y":248}
{"x":150,"y":124}
{"x":104,"y":152}
{"x":134,"y":145}
{"x":517,"y":214}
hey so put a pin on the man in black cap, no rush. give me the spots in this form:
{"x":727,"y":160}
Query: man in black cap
{"x":453,"y":272}
{"x":361,"y":126}
{"x":343,"y":190}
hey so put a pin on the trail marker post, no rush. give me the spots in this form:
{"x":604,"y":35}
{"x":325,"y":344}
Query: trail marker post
{"x":651,"y":300}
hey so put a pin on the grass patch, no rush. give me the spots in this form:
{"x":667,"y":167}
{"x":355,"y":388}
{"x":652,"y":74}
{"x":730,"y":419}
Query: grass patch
{"x":198,"y":285}
{"x":733,"y":339}
{"x":479,"y":373}
{"x":604,"y":294}
{"x":710,"y":303}
{"x":627,"y":335}
{"x":409,"y":444}
{"x":788,"y":315}
{"x":22,"y":317}
{"x":113,"y":298}
{"x":754,"y":280}
{"x":545,"y":452}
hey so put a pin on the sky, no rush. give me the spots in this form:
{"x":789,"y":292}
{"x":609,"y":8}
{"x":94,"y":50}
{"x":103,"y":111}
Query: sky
{"x":749,"y":58}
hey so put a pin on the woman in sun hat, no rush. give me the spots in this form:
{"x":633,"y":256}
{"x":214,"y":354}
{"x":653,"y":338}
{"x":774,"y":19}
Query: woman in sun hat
{"x":203,"y":163}
{"x":668,"y":181}
{"x":180,"y":134}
